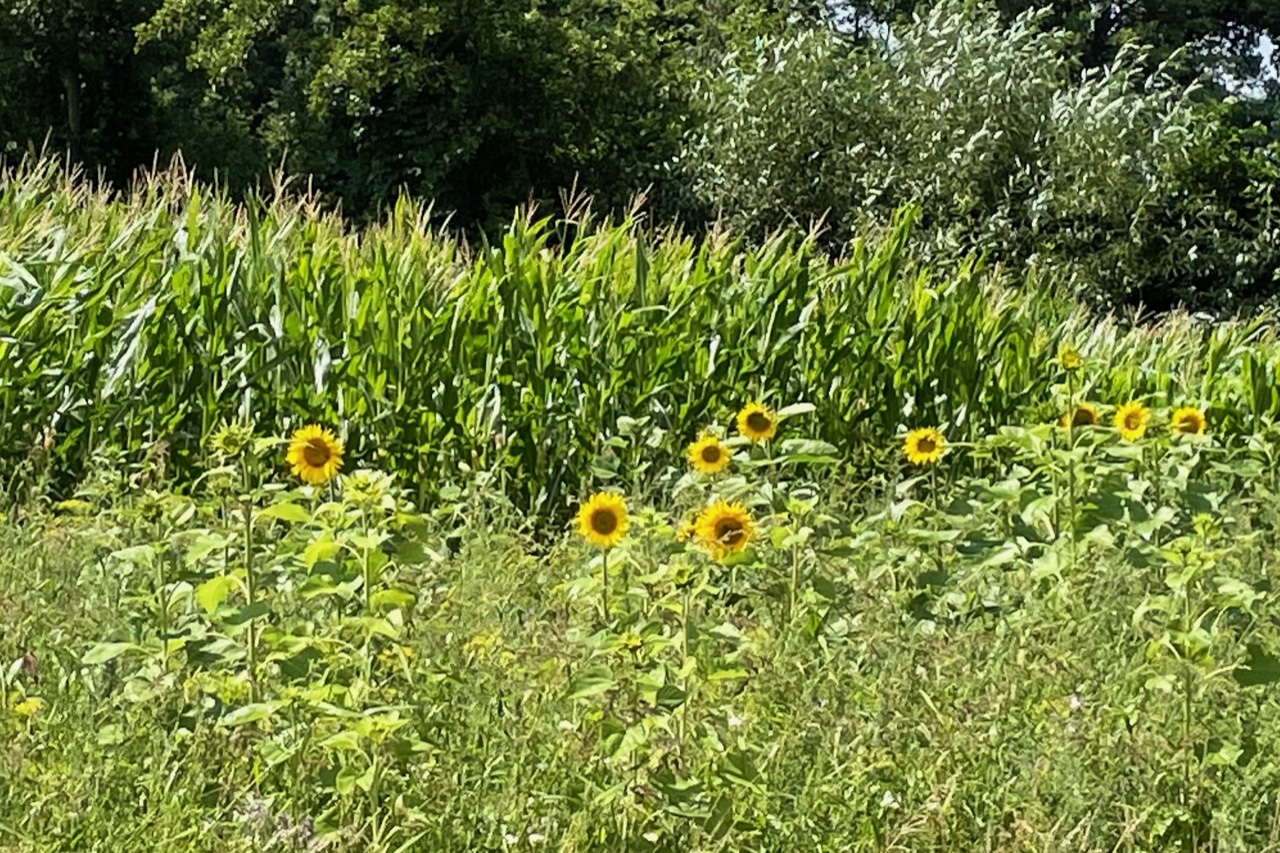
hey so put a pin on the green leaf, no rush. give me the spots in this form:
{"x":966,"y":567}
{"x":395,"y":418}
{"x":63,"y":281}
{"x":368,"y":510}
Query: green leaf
{"x":286,"y":511}
{"x":346,"y":781}
{"x":720,"y":821}
{"x":213,"y":592}
{"x":795,"y":410}
{"x":343,"y":741}
{"x":391,"y":599}
{"x":111,"y":734}
{"x":248,"y":714}
{"x":737,"y":768}
{"x":593,"y":682}
{"x":670,"y":697}
{"x":322,"y":549}
{"x":104,"y":652}
{"x":248,"y":613}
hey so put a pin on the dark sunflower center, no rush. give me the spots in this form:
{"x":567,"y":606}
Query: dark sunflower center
{"x":759,"y":422}
{"x":729,"y":531}
{"x":1083,"y":417}
{"x":926,"y":445}
{"x":316,"y":453}
{"x":711,"y":454}
{"x":1132,"y":420}
{"x":1187,"y":424}
{"x":604,"y":521}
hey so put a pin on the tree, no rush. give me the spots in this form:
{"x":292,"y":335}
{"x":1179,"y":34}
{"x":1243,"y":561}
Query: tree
{"x":1106,"y":180}
{"x":478,"y":104}
{"x":68,"y":71}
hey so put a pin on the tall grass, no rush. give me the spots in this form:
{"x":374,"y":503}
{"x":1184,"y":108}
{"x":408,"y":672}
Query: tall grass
{"x":153,"y":314}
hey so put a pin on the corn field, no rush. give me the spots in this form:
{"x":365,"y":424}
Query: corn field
{"x":157,"y":314}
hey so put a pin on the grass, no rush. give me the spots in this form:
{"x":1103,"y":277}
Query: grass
{"x":1048,"y":639}
{"x":1070,"y":648}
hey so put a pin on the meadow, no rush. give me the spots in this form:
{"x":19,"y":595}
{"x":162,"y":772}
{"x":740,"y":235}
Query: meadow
{"x":607,"y":539}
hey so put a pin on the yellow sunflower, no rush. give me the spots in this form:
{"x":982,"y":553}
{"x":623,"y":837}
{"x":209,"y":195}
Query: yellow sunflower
{"x":924,"y":446}
{"x":602,"y":520}
{"x":757,"y":422}
{"x":1082,"y":416}
{"x":1069,"y":358}
{"x":725,"y":528}
{"x":1131,"y":421}
{"x":1188,"y":420}
{"x":707,"y":455}
{"x":315,"y":455}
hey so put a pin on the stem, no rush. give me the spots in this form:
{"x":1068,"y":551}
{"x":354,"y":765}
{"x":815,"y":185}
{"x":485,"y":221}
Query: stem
{"x":163,"y":611}
{"x":684,"y":657}
{"x":250,"y":584}
{"x":1155,"y":482}
{"x":368,"y":584}
{"x":604,"y":585}
{"x":368,"y":597}
{"x":1071,"y":471}
{"x":1188,"y":618}
{"x":795,"y":582}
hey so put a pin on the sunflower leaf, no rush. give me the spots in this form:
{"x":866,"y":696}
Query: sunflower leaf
{"x":290,"y":512}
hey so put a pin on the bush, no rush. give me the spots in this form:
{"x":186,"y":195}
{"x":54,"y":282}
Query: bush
{"x":1109,"y":176}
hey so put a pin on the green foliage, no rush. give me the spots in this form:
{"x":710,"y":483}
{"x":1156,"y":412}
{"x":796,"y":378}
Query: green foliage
{"x":1106,"y":178}
{"x":1081,"y":633}
{"x":145,"y":323}
{"x":477,"y":105}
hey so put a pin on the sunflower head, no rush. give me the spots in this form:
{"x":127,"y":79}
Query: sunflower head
{"x":707,"y":455}
{"x":602,"y":520}
{"x":1188,"y":421}
{"x":1070,"y":359}
{"x":757,"y":423}
{"x":315,"y":455}
{"x":924,"y":446}
{"x":1131,"y":421}
{"x":231,"y":440}
{"x":1083,"y":415}
{"x":725,"y":528}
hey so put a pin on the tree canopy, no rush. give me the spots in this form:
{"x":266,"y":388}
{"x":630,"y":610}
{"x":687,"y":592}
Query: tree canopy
{"x":1029,"y":134}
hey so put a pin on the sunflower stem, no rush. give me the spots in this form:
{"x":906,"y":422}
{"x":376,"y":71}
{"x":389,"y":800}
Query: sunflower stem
{"x":684,"y":661}
{"x":795,"y":582}
{"x":250,"y":585}
{"x":162,"y":606}
{"x":604,"y":585}
{"x":366,"y":572}
{"x":1071,"y":465}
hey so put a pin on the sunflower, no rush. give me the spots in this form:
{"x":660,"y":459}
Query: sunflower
{"x":231,"y":440}
{"x":315,"y":454}
{"x":725,"y":528}
{"x":602,"y":520}
{"x":1188,"y":420}
{"x":924,"y":446}
{"x":1131,"y":421}
{"x":707,"y":455}
{"x":1082,"y":416}
{"x":757,"y":422}
{"x":1069,"y":358}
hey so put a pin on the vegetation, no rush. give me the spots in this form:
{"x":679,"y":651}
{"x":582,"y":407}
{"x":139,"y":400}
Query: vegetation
{"x":1120,"y":182}
{"x":1130,"y":149}
{"x":1071,"y":648}
{"x":791,"y":471}
{"x":144,"y":323}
